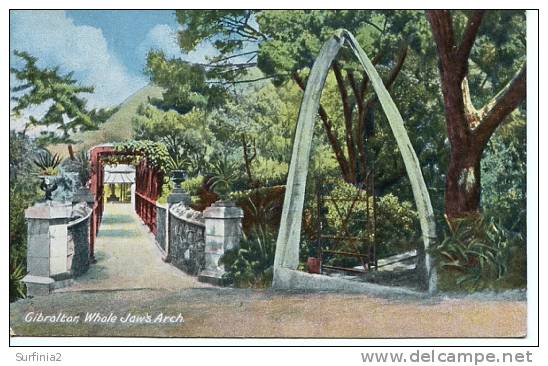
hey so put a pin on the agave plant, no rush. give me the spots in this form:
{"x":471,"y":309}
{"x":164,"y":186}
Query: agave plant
{"x":251,"y":265}
{"x":84,"y":167}
{"x":47,"y":162}
{"x":478,"y":249}
{"x":224,"y":174}
{"x":177,"y":159}
{"x":17,"y":288}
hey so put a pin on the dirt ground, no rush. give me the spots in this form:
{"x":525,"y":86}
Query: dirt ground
{"x":212,"y":312}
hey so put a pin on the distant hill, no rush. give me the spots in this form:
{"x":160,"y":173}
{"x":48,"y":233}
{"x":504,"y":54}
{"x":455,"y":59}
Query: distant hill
{"x":117,"y":128}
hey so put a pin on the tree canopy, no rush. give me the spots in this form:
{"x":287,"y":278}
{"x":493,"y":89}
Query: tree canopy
{"x":67,"y":110}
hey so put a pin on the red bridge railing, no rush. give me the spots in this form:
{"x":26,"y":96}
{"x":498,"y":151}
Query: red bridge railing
{"x":97,"y":188}
{"x":148,"y":187}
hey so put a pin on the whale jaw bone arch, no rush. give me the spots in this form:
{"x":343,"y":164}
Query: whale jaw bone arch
{"x":287,"y":245}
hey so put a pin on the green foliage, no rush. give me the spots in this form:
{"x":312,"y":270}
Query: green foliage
{"x":189,"y":137}
{"x":478,"y":253}
{"x":17,"y":288}
{"x":156,"y":153}
{"x":251,"y":264}
{"x":224,"y":171}
{"x":67,"y":111}
{"x":47,"y":162}
{"x":396,"y":222}
{"x":23,"y":185}
{"x":269,"y":172}
{"x":262,"y":207}
{"x":84,"y":168}
{"x":177,"y":157}
{"x":20,"y":200}
{"x":186,"y":86}
{"x":498,"y":53}
{"x":504,"y":174}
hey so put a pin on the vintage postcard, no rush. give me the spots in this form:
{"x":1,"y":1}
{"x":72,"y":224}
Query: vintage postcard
{"x":269,"y":174}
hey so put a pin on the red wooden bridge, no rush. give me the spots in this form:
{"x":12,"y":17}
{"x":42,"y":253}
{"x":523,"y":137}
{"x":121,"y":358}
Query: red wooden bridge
{"x":148,"y":187}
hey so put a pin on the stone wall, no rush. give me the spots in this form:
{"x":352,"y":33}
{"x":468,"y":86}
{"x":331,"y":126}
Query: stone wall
{"x":161,"y":223}
{"x":186,"y":238}
{"x":78,"y":245}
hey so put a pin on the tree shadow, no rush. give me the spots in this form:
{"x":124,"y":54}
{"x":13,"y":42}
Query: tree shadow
{"x":117,"y":219}
{"x":118,"y":233}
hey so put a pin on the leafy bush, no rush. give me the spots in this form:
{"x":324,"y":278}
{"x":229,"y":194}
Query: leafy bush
{"x":84,"y":168}
{"x":17,"y":272}
{"x":479,"y":252}
{"x":269,"y":172}
{"x":261,"y":206}
{"x":396,"y":223}
{"x":188,"y":137}
{"x":504,"y":175}
{"x":23,"y":184}
{"x":156,"y":153}
{"x":80,"y":165}
{"x":251,"y":265}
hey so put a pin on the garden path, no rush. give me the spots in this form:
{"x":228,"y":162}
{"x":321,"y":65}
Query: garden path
{"x":128,"y":258}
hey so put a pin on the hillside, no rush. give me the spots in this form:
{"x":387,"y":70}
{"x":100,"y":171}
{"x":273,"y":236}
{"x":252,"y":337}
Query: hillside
{"x":117,"y":128}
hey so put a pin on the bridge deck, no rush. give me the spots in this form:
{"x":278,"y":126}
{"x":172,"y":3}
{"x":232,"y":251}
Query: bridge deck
{"x":128,"y":258}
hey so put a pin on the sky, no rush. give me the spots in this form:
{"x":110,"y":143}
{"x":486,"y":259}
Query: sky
{"x":105,"y":49}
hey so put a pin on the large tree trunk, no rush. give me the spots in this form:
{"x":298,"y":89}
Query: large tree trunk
{"x":468,"y":129}
{"x":462,"y":191}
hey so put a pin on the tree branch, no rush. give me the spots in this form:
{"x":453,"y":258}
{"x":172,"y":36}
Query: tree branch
{"x":472,"y":115}
{"x":354,"y":85}
{"x":444,"y":36}
{"x":397,"y":68}
{"x":242,"y":81}
{"x":328,"y":127}
{"x":470,"y":34}
{"x":501,"y":105}
{"x":360,"y":136}
{"x":347,"y":111}
{"x":233,"y":56}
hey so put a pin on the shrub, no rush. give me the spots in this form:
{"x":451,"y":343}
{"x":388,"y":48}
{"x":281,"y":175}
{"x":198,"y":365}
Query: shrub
{"x":269,"y":172}
{"x":345,"y":210}
{"x":23,"y":184}
{"x":251,"y":265}
{"x":80,"y":165}
{"x":478,"y":252}
{"x":17,"y":272}
{"x":261,"y":206}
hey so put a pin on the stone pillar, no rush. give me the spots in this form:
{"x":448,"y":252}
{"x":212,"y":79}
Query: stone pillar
{"x":223,"y":231}
{"x":47,"y":247}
